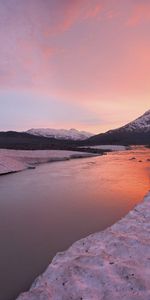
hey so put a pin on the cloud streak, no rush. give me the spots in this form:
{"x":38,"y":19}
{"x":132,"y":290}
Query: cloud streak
{"x":74,"y":12}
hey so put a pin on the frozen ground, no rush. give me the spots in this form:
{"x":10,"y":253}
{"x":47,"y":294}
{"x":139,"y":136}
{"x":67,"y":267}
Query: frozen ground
{"x":113,"y":264}
{"x":17,"y":160}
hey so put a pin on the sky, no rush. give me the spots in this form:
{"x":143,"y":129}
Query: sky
{"x":81,"y":64}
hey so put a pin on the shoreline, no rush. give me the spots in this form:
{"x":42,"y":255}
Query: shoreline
{"x":111,"y":264}
{"x":13,"y":161}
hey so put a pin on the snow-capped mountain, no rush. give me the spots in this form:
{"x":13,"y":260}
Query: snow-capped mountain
{"x":71,"y":134}
{"x":141,"y":124}
{"x":135,"y":132}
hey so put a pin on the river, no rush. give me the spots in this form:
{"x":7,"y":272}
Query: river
{"x":43,"y":211}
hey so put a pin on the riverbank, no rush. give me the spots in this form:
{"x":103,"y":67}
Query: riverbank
{"x":18,"y":160}
{"x":113,"y":264}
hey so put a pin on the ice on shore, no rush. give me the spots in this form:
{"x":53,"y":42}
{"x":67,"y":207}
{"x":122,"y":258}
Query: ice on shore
{"x":108,"y":147}
{"x":17,"y":160}
{"x":113,"y":264}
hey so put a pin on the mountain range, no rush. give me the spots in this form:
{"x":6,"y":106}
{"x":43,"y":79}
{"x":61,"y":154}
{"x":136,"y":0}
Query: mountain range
{"x":61,"y":134}
{"x":136,"y":132}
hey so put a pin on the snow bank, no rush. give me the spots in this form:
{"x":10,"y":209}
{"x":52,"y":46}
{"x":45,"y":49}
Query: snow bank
{"x":17,"y":160}
{"x":109,"y":147}
{"x":113,"y":264}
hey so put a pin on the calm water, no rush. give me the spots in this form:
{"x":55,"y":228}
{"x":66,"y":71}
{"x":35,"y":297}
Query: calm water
{"x":44,"y":211}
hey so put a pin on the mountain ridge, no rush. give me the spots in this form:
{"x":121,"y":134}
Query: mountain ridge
{"x":140,"y":123}
{"x":66,"y":134}
{"x":134,"y":132}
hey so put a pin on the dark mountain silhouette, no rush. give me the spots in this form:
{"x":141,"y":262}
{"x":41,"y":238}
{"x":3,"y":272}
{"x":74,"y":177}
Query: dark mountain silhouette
{"x":136,"y":132}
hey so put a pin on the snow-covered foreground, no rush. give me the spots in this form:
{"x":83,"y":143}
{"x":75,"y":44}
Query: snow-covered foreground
{"x":113,"y":264}
{"x":18,"y":160}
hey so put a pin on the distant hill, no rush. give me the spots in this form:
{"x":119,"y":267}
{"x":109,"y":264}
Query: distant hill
{"x":23,"y":140}
{"x":61,"y":134}
{"x":136,"y":132}
{"x":26,"y":141}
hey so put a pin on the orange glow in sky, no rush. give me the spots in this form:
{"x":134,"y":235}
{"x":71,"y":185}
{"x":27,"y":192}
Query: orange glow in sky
{"x":67,"y":63}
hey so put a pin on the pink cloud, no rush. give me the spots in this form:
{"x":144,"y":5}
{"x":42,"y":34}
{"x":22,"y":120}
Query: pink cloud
{"x":111,"y":14}
{"x":74,"y":12}
{"x":94,"y":11}
{"x":141,"y":12}
{"x":90,"y":64}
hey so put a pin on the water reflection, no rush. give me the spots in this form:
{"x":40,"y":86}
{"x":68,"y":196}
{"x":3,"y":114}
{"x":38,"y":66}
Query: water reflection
{"x":43,"y":211}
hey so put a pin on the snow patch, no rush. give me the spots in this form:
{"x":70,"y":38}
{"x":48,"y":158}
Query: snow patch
{"x":108,"y":147}
{"x":18,"y":160}
{"x":140,"y":124}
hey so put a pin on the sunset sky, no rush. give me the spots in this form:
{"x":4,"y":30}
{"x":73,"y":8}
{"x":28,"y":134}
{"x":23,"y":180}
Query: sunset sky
{"x":81,"y":64}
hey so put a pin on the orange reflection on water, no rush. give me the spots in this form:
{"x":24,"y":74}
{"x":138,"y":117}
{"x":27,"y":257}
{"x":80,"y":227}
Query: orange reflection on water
{"x":125,"y":173}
